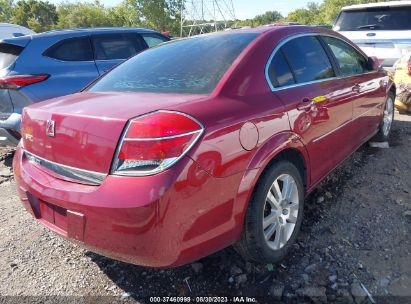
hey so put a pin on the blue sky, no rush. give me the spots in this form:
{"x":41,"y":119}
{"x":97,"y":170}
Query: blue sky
{"x":245,"y":8}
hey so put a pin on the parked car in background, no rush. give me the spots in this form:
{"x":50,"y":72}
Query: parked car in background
{"x":161,"y":162}
{"x":380,"y":29}
{"x":8,"y":30}
{"x":39,"y":67}
{"x":402,"y":79}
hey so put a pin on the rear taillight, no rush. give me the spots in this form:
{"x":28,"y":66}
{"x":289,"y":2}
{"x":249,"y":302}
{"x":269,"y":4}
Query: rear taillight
{"x":18,"y":81}
{"x":154,"y":142}
{"x":409,"y":67}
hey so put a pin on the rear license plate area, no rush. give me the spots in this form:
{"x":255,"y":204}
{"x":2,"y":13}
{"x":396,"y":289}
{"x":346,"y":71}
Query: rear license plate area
{"x":54,"y":215}
{"x":63,"y":221}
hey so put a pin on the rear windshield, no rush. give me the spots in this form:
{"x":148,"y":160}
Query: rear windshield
{"x":193,"y":66}
{"x":8,"y":54}
{"x":381,"y":18}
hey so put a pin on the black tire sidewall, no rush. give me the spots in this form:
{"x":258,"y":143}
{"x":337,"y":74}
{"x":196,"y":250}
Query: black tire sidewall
{"x":380,"y":135}
{"x":257,"y":209}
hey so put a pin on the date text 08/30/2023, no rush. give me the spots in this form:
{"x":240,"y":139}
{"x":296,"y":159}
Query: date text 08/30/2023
{"x":205,"y":299}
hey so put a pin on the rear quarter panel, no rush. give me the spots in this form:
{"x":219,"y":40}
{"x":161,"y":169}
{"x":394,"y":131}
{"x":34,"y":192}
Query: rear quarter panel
{"x":243,"y":95}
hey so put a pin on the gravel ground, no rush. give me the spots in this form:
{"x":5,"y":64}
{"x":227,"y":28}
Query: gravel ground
{"x":355,"y":239}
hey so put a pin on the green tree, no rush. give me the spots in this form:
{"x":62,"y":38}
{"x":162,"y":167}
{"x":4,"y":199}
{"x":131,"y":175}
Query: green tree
{"x":126,"y":13}
{"x":6,"y":10}
{"x":267,"y":18}
{"x":37,"y":15}
{"x":263,"y":19}
{"x":83,"y":14}
{"x":162,"y":15}
{"x":331,"y":8}
{"x":309,"y":15}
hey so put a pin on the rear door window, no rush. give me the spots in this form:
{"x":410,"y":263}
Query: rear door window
{"x":73,"y":49}
{"x":118,"y":46}
{"x":279,"y":71}
{"x":153,"y":40}
{"x":382,"y":18}
{"x":308,"y":59}
{"x":350,"y":61}
{"x":8,"y":54}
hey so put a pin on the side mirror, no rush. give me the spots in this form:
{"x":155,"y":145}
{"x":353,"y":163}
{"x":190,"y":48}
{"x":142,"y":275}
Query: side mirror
{"x":373,"y":63}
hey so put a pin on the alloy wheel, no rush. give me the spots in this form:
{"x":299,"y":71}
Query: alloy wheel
{"x":387,"y":119}
{"x":280,"y":211}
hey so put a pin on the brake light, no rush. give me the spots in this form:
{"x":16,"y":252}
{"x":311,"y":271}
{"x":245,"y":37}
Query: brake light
{"x":409,"y":68}
{"x":154,"y":142}
{"x":18,"y":81}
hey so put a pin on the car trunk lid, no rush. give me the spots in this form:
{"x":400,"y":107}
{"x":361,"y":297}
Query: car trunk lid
{"x":87,"y":126}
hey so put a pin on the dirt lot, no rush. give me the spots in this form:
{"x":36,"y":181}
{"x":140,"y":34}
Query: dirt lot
{"x":355,"y":237}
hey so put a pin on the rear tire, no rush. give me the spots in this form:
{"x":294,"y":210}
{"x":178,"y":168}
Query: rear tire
{"x":384,"y":129}
{"x":274,"y":214}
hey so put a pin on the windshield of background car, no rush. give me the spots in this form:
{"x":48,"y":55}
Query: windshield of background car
{"x":192,"y":66}
{"x":380,"y":19}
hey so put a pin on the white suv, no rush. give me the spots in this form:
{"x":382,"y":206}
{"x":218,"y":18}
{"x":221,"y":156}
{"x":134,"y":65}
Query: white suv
{"x":380,"y":29}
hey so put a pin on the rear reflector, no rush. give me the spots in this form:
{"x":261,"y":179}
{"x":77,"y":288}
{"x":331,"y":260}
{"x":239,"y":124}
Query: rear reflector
{"x":154,"y":142}
{"x":18,"y":81}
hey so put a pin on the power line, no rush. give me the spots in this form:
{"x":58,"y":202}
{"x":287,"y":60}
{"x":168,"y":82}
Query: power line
{"x":204,"y":16}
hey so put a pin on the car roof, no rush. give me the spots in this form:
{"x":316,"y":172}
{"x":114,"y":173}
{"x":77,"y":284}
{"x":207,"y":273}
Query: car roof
{"x":267,"y":28}
{"x":61,"y":33}
{"x":379,"y":4}
{"x":95,"y":30}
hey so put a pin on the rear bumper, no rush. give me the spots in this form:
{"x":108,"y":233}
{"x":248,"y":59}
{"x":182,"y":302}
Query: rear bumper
{"x":163,"y":220}
{"x":10,"y":130}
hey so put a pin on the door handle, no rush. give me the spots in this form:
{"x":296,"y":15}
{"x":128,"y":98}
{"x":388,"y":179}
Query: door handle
{"x":305,"y":105}
{"x":356,"y":88}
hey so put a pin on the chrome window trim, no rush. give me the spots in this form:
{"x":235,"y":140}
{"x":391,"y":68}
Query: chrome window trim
{"x":64,"y":172}
{"x":288,"y":39}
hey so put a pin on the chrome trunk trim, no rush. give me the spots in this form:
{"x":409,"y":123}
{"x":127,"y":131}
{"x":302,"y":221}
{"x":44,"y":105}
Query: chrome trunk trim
{"x":64,"y":172}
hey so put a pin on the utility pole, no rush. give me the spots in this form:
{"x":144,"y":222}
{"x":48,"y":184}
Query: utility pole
{"x":204,"y":16}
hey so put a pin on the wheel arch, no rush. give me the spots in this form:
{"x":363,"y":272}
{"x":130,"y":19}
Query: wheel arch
{"x":295,"y":157}
{"x":285,"y":146}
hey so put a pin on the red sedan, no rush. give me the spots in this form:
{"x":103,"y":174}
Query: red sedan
{"x":202,"y":143}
